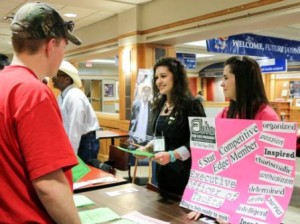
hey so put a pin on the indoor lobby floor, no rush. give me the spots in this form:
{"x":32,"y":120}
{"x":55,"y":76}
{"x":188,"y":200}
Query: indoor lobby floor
{"x":292,"y":216}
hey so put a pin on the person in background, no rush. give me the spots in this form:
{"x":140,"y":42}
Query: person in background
{"x":173,"y":104}
{"x":243,"y":85}
{"x":292,"y":89}
{"x":36,"y":156}
{"x":3,"y":61}
{"x":79,"y":118}
{"x":140,"y":132}
{"x":200,"y":96}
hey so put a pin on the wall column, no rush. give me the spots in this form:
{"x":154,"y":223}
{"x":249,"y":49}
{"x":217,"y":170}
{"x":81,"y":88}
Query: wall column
{"x":133,"y":57}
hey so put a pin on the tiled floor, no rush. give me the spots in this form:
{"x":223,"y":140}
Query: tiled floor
{"x":292,"y":215}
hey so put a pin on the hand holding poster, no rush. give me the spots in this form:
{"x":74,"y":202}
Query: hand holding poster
{"x":242,"y":170}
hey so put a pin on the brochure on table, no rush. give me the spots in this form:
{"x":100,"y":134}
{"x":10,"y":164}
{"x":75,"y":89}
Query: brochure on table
{"x":79,"y":170}
{"x":242,"y":170}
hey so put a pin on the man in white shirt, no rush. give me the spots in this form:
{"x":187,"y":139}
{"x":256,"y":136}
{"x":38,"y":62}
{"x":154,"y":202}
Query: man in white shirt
{"x":79,"y":118}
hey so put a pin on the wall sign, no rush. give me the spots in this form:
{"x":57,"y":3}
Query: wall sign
{"x":255,"y":45}
{"x":188,"y":60}
{"x":271,"y":65}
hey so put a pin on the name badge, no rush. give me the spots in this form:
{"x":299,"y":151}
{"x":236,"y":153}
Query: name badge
{"x":159,"y":144}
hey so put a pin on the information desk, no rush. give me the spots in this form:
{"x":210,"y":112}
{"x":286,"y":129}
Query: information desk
{"x":143,"y":200}
{"x":97,"y":174}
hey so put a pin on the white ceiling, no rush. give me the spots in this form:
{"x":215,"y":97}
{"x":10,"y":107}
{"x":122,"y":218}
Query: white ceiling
{"x":286,"y":24}
{"x":88,"y":11}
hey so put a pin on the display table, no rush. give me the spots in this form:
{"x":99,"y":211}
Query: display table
{"x":136,"y":198}
{"x":111,"y":134}
{"x":97,"y":178}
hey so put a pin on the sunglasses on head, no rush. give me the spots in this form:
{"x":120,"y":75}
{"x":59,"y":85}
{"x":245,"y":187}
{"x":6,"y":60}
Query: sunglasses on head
{"x":67,"y":26}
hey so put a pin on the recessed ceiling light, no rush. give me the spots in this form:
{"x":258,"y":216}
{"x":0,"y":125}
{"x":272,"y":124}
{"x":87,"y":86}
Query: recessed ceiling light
{"x":204,"y":55}
{"x":70,"y":15}
{"x":8,"y":18}
{"x":104,"y":61}
{"x":200,"y":43}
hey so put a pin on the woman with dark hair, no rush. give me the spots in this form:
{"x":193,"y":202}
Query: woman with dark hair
{"x":173,"y":104}
{"x":243,"y":86}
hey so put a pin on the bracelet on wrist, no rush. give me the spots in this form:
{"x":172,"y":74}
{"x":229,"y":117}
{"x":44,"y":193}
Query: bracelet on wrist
{"x":172,"y":156}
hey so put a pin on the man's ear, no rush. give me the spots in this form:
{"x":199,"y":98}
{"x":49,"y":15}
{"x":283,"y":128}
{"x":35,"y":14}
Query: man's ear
{"x":51,"y":44}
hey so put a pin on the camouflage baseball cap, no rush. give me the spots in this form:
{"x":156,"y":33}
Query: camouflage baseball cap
{"x":40,"y":21}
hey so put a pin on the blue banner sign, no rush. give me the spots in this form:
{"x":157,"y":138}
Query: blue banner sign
{"x":272,"y":65}
{"x":255,"y":45}
{"x":188,"y":60}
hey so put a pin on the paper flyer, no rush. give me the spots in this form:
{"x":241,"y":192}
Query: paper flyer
{"x":137,"y":152}
{"x":79,"y":170}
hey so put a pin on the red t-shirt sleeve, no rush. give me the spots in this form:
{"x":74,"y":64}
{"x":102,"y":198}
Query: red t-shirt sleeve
{"x":43,"y":140}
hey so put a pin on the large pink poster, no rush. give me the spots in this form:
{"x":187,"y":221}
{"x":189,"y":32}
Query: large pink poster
{"x":242,"y":170}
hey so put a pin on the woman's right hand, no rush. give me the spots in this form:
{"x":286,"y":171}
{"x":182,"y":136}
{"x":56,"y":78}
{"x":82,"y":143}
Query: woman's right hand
{"x":193,"y":215}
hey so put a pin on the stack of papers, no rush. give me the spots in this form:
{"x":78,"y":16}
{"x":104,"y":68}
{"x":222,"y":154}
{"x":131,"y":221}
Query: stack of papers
{"x":95,"y":181}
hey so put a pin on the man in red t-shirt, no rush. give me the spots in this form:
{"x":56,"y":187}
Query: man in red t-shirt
{"x":36,"y":156}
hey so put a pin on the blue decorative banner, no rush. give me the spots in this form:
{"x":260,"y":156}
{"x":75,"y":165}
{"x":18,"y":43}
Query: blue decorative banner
{"x":187,"y":59}
{"x":272,"y":65}
{"x":255,"y":45}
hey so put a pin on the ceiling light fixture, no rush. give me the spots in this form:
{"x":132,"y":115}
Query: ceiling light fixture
{"x":103,"y":61}
{"x":70,"y":15}
{"x":200,"y":43}
{"x":8,"y":18}
{"x":204,"y":55}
